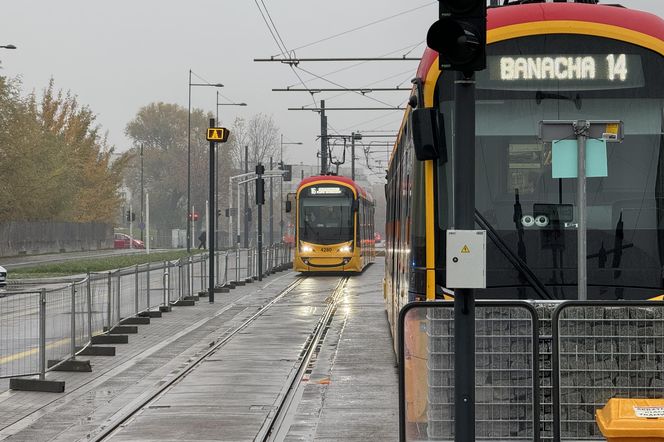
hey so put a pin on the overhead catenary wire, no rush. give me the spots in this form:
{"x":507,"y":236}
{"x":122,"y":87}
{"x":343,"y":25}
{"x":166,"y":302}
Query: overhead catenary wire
{"x":399,"y":14}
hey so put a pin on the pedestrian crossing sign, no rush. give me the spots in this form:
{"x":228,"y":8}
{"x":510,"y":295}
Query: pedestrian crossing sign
{"x":217,"y":134}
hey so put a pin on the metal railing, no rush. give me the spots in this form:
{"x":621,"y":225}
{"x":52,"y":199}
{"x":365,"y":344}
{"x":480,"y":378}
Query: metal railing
{"x":39,"y":329}
{"x":506,"y":361}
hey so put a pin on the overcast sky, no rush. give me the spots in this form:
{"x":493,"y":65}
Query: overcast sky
{"x":120,"y":55}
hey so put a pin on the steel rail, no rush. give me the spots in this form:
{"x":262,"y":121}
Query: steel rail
{"x":271,"y":428}
{"x":113,"y":428}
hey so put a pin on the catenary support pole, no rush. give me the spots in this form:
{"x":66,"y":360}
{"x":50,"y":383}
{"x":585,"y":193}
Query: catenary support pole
{"x":246,"y":199}
{"x":323,"y":139}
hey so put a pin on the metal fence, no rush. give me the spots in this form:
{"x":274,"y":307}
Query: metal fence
{"x":40,"y":329}
{"x":604,"y":350}
{"x":584,"y":353}
{"x":506,"y":360}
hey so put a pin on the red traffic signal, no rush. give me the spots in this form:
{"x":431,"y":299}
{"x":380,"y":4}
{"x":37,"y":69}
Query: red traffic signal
{"x":193,"y":216}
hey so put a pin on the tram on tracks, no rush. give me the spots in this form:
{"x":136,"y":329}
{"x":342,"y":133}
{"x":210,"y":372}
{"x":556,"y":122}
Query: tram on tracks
{"x":545,"y":61}
{"x":334,"y":219}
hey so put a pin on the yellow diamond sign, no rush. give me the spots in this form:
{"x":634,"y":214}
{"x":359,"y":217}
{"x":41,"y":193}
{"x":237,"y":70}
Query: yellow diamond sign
{"x":217,"y":134}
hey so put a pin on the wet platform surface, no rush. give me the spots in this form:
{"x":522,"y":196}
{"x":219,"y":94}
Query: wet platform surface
{"x":349,"y":393}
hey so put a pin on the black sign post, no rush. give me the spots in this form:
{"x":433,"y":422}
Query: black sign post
{"x":214,"y":135}
{"x":459,"y":36}
{"x":260,"y":200}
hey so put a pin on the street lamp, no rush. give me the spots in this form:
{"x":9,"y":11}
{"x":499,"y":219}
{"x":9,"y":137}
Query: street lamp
{"x":8,"y":47}
{"x":216,"y":186}
{"x":281,"y":184}
{"x":189,"y":221}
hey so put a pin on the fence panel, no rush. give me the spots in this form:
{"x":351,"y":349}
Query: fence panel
{"x":604,"y":350}
{"x":506,"y":371}
{"x":58,"y":324}
{"x":19,"y":334}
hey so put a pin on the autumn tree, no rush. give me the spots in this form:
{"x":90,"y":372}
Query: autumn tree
{"x":161,"y":128}
{"x":59,"y":165}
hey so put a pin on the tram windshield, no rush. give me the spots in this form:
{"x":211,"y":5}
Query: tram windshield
{"x":326,"y":214}
{"x":518,"y":193}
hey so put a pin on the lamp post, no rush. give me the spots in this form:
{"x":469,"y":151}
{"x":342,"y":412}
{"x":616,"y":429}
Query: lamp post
{"x":281,"y":185}
{"x":190,"y":217}
{"x":216,"y":185}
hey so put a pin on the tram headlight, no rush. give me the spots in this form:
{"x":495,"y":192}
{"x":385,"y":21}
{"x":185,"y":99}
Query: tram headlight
{"x":345,"y":249}
{"x":306,"y":249}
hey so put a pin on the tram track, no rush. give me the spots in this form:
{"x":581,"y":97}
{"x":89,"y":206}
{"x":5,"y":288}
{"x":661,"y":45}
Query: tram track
{"x":274,"y":428}
{"x":143,"y":402}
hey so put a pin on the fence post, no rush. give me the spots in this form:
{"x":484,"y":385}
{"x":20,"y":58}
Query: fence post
{"x":136,"y":289}
{"x":180,"y":280}
{"x":147,"y":286}
{"x":164,"y":281}
{"x":109,"y":303}
{"x":42,"y":334}
{"x":117,"y":301}
{"x":226,"y":268}
{"x":88,"y":294}
{"x":203,"y":274}
{"x":73,"y":321}
{"x":237,"y":264}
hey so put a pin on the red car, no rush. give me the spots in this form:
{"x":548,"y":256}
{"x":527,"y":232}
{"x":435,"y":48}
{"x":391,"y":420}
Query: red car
{"x":122,"y":241}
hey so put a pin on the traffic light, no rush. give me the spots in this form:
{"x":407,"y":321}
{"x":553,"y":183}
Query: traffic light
{"x":288,"y":172}
{"x":260,"y":169}
{"x":260,"y":190}
{"x":228,"y":213}
{"x":130,"y":216}
{"x":459,"y":35}
{"x":219,"y":212}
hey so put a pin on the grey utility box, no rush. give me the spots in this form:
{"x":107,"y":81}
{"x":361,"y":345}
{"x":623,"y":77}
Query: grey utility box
{"x":466,"y":259}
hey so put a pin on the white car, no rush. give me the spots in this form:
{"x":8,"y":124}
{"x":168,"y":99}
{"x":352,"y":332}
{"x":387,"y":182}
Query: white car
{"x":3,"y":277}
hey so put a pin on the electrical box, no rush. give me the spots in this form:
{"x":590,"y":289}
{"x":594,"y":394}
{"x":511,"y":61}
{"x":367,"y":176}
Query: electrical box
{"x":466,"y":259}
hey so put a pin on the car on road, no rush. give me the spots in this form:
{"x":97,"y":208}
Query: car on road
{"x":3,"y":277}
{"x":377,"y":238}
{"x":122,"y":241}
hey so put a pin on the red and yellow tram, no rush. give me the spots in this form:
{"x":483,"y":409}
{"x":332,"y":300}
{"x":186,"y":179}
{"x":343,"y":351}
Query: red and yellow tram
{"x":545,"y":61}
{"x":334,"y":220}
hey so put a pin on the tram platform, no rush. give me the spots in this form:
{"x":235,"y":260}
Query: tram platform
{"x":226,"y":366}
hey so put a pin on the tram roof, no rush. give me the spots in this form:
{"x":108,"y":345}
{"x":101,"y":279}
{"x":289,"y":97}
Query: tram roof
{"x":616,"y":16}
{"x":336,"y":178}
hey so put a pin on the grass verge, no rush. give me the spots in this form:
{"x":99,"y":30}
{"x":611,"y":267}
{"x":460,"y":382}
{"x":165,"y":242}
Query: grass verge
{"x":75,"y":267}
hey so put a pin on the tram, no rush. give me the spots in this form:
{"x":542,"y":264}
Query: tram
{"x":545,"y":61}
{"x":334,"y":226}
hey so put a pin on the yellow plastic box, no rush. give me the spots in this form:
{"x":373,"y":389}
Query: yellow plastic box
{"x":632,"y":420}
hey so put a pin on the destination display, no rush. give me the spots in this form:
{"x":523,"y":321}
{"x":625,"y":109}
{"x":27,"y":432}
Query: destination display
{"x":562,"y":72}
{"x":325,"y":190}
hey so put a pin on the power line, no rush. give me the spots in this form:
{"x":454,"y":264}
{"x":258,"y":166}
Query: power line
{"x":364,"y":26}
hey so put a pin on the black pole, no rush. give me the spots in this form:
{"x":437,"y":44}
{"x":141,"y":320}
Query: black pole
{"x":352,"y":156}
{"x":464,"y":299}
{"x":216,"y":193}
{"x":271,"y":207}
{"x":246,"y":199}
{"x":323,"y":139}
{"x":260,"y":193}
{"x":142,"y":197}
{"x":211,"y":220}
{"x":188,"y":213}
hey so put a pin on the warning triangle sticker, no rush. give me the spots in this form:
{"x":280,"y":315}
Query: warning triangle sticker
{"x":465,"y":249}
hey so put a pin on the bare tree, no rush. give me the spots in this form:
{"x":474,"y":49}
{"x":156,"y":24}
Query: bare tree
{"x":260,"y":134}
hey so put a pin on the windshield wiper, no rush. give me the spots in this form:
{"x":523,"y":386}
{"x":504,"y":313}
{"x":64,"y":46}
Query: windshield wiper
{"x":517,"y":262}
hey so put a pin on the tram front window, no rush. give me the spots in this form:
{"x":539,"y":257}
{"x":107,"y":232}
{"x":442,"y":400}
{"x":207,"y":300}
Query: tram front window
{"x":535,"y":214}
{"x":326,"y":215}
